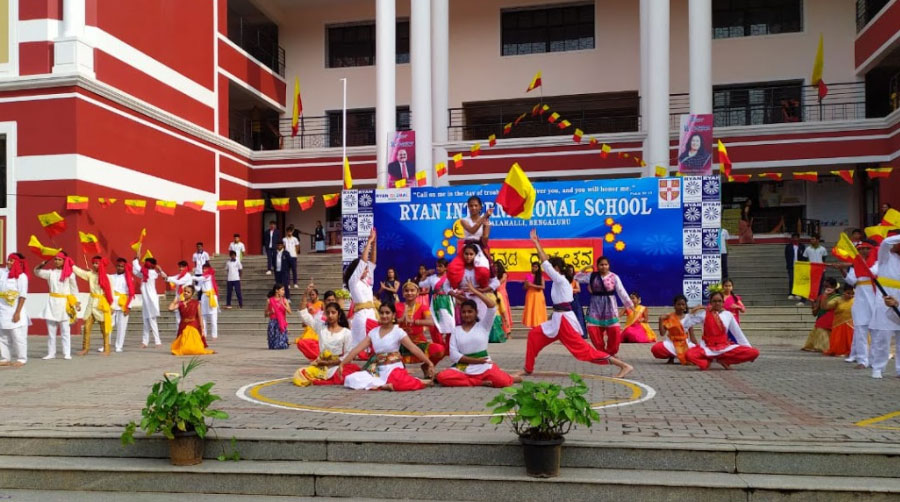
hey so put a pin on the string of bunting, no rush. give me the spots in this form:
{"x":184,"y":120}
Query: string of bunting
{"x":167,"y":207}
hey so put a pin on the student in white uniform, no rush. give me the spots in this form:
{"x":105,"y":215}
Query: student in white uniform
{"x":62,"y":305}
{"x":122,"y":283}
{"x":184,"y":278}
{"x":885,"y":324}
{"x":209,"y":303}
{"x":149,"y":299}
{"x":13,"y":320}
{"x":200,"y":258}
{"x":863,"y":301}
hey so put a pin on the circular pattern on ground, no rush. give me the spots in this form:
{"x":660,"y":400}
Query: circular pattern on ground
{"x":606,"y":392}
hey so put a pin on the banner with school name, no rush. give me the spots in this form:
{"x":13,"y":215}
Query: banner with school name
{"x":660,"y":234}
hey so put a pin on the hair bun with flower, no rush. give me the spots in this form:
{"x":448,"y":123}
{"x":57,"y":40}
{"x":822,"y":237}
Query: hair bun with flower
{"x":716,"y":288}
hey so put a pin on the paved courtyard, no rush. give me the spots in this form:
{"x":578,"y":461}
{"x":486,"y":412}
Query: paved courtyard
{"x":787,"y":396}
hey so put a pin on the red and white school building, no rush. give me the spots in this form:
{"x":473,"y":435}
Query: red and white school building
{"x":191,"y":100}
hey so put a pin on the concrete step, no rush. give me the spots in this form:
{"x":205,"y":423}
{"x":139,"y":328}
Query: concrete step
{"x":436,"y":482}
{"x":115,"y":496}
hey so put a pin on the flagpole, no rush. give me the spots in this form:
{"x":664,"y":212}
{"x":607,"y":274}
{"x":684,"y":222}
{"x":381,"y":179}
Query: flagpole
{"x":344,"y":124}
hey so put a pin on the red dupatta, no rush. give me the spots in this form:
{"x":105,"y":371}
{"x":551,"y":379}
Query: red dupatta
{"x":714,"y":333}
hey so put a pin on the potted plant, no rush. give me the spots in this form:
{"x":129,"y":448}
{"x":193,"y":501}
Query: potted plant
{"x":179,"y":415}
{"x":541,"y":413}
{"x":343,"y":297}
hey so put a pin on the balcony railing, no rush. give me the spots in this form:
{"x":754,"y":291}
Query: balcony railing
{"x":866,"y":10}
{"x":258,"y":44}
{"x":845,"y":101}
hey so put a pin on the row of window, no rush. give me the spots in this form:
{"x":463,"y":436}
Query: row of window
{"x":569,"y":27}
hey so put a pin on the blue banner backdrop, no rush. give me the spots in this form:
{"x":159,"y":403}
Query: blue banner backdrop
{"x":660,"y":234}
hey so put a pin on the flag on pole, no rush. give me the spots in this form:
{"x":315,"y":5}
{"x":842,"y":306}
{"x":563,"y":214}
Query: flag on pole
{"x":106,"y":202}
{"x":43,"y":251}
{"x":89,"y":243}
{"x":135,"y":206}
{"x":440,"y":169}
{"x":331,"y":199}
{"x":807,"y":279}
{"x":76,"y":203}
{"x":807,"y":176}
{"x":891,"y":218}
{"x":421,"y":178}
{"x":517,"y":195}
{"x":226,"y":205}
{"x":348,"y":178}
{"x":140,"y":241}
{"x":282,"y":204}
{"x":458,"y":160}
{"x":298,"y":108}
{"x":818,"y":67}
{"x":724,"y":160}
{"x":252,"y":206}
{"x":166,"y":207}
{"x":147,"y":254}
{"x":535,"y":82}
{"x":196,"y":205}
{"x":845,"y":174}
{"x":846,"y":251}
{"x":306,"y":202}
{"x":879,"y":172}
{"x":879,"y":233}
{"x":576,"y":136}
{"x":492,"y":140}
{"x":53,"y":223}
{"x":475,"y":151}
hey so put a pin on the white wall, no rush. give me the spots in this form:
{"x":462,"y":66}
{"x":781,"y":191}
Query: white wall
{"x":835,"y":203}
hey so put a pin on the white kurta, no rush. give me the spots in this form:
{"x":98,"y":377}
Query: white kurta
{"x":864,"y":297}
{"x":883,"y":317}
{"x":560,"y":292}
{"x":339,"y":343}
{"x":363,"y":380}
{"x":205,"y":283}
{"x":360,"y":286}
{"x":180,"y":283}
{"x":149,"y":296}
{"x":119,"y":285}
{"x":731,"y":326}
{"x":55,"y":310}
{"x":443,"y":320}
{"x":475,"y":340}
{"x":8,"y":310}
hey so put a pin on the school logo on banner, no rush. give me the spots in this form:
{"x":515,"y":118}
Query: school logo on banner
{"x":669,"y":193}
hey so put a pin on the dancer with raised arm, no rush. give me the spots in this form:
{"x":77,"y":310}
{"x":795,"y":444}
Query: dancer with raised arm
{"x":62,"y":305}
{"x":359,"y":277}
{"x":333,"y":344}
{"x":13,"y":319}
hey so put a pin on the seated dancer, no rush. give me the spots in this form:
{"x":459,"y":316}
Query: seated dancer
{"x":358,"y":278}
{"x":384,"y":370}
{"x":308,"y":342}
{"x":637,"y":329}
{"x":443,"y":309}
{"x":277,"y":310}
{"x":819,"y":338}
{"x":333,"y":341}
{"x":677,"y":341}
{"x":413,"y":319}
{"x":476,"y":230}
{"x":13,"y":319}
{"x":190,"y":340}
{"x":714,"y":345}
{"x":99,"y":307}
{"x":603,"y":313}
{"x":472,"y":366}
{"x":563,"y":325}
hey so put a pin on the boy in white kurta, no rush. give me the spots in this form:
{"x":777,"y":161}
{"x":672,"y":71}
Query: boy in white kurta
{"x":863,"y":300}
{"x":62,"y":305}
{"x":122,"y":283}
{"x":13,"y":321}
{"x":209,"y":303}
{"x":885,"y":324}
{"x":149,"y":299}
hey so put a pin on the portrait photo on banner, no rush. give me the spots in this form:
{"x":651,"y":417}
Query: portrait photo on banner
{"x":402,"y":159}
{"x":695,"y":145}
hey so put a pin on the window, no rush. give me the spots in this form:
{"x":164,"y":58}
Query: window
{"x":748,"y":18}
{"x":553,"y":29}
{"x":759,"y":103}
{"x":354,"y":45}
{"x":361,"y":126}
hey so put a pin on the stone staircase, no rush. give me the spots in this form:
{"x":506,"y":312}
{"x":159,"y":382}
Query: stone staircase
{"x":759,"y":274}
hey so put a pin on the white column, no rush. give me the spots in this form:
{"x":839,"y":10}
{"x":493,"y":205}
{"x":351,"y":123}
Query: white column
{"x":71,"y":52}
{"x":645,"y":70}
{"x":656,"y":148}
{"x":385,"y":82}
{"x":420,"y":63}
{"x":440,"y":74}
{"x":700,"y":19}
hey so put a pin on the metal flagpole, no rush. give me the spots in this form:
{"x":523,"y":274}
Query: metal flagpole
{"x":344,"y":124}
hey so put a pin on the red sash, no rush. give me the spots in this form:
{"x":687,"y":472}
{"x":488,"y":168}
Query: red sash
{"x":714,"y":333}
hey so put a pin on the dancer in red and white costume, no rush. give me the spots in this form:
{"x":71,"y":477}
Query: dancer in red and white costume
{"x":359,"y":277}
{"x":715,"y":346}
{"x":13,"y":319}
{"x":563,"y":325}
{"x":472,"y":366}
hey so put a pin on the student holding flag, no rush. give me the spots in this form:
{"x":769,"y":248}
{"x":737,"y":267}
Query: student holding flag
{"x":99,"y":307}
{"x":861,"y":278}
{"x":62,"y":305}
{"x":885,"y":323}
{"x":149,"y":296}
{"x":13,"y":320}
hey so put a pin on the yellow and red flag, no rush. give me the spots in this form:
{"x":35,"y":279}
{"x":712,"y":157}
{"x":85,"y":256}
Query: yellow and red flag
{"x":140,"y":240}
{"x":739,"y":178}
{"x":401,"y":183}
{"x":807,"y":176}
{"x":507,"y":128}
{"x":106,"y":202}
{"x":879,"y":233}
{"x":89,"y":243}
{"x":660,"y":171}
{"x":348,"y":178}
{"x":535,"y":110}
{"x":604,"y":150}
{"x":519,"y":119}
{"x":135,"y":206}
{"x":298,"y":108}
{"x":818,"y":67}
{"x":845,"y":174}
{"x":43,"y":251}
{"x":306,"y":202}
{"x":772,"y":176}
{"x":166,"y":207}
{"x":891,"y":218}
{"x":807,"y":279}
{"x":724,"y":160}
{"x":553,"y":118}
{"x":593,"y":142}
{"x":196,"y":205}
{"x":492,"y":140}
{"x":458,"y":160}
{"x":226,"y":205}
{"x":440,"y":169}
{"x":282,"y":204}
{"x":475,"y":151}
{"x":517,"y":195}
{"x":421,"y":178}
{"x":53,"y":223}
{"x":576,"y":136}
{"x":147,"y":254}
{"x":564,"y":124}
{"x":535,"y":82}
{"x":845,"y":251}
{"x":252,"y":206}
{"x":331,"y":199}
{"x":544,"y":109}
{"x":76,"y":202}
{"x":879,"y":172}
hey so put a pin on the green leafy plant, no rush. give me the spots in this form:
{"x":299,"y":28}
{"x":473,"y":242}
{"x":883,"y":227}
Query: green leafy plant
{"x":536,"y":410}
{"x":233,"y":455}
{"x":170,"y":409}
